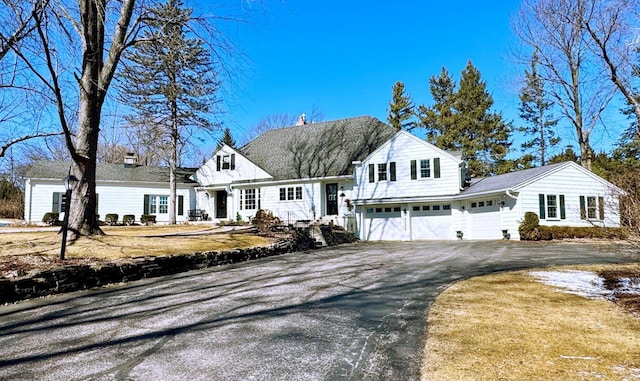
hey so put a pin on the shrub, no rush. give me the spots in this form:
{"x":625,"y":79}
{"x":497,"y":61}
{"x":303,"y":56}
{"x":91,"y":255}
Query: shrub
{"x":111,"y":218}
{"x":528,"y":228}
{"x":265,"y":221}
{"x":51,"y":218}
{"x":128,"y":219}
{"x":148,"y":219}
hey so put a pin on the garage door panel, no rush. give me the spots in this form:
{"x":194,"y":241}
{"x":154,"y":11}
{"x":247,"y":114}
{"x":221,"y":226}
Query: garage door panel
{"x":485,"y":223}
{"x":383,"y":227}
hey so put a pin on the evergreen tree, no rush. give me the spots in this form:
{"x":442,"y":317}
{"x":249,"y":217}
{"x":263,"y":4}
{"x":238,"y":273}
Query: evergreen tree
{"x":401,"y":109}
{"x":439,"y":118}
{"x":461,"y":120}
{"x":535,"y":109}
{"x":227,"y":139}
{"x":170,"y":82}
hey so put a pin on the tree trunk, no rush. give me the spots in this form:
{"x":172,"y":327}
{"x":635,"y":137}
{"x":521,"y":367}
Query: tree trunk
{"x":82,"y":215}
{"x":173,"y":162}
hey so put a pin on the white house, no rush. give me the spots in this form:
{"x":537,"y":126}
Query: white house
{"x":357,"y":172}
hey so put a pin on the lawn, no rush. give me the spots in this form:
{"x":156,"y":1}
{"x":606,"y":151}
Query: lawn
{"x":26,"y":251}
{"x":511,"y":326}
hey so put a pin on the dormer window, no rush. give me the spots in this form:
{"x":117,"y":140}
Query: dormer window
{"x":226,"y":162}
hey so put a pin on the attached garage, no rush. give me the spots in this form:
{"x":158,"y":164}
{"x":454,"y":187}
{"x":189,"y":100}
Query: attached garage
{"x":431,"y":222}
{"x":383,"y":223}
{"x":483,"y":219}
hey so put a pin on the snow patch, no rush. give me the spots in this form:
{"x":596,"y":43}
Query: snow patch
{"x":583,"y":283}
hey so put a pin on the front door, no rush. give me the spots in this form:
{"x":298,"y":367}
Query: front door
{"x":221,"y":204}
{"x":332,"y":199}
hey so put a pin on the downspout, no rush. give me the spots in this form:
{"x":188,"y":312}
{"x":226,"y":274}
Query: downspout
{"x":510,"y":195}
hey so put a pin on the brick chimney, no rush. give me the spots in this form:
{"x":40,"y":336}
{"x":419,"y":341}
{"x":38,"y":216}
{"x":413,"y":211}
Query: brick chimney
{"x":302,"y":120}
{"x":130,"y":160}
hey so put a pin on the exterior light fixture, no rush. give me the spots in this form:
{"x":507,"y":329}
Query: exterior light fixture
{"x":70,"y":182}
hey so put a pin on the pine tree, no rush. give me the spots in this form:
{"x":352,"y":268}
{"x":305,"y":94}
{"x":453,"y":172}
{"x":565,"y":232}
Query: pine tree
{"x":227,"y":139}
{"x":401,"y":109}
{"x":461,"y":120}
{"x":482,"y":135}
{"x":170,"y":83}
{"x":439,"y":118}
{"x":535,"y":109}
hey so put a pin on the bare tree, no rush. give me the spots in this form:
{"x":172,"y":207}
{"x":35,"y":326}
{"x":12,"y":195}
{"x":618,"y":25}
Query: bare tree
{"x":281,"y":120}
{"x":613,"y":29}
{"x":553,"y":29}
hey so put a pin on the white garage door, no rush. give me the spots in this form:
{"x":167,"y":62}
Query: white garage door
{"x":429,"y":222}
{"x":484,"y":220}
{"x":383,"y":224}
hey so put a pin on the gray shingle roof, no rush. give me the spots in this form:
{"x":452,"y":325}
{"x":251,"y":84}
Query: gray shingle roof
{"x":317,"y":149}
{"x":508,"y":180}
{"x":111,"y":172}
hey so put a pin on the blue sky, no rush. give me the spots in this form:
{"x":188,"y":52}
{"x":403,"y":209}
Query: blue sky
{"x":343,"y":57}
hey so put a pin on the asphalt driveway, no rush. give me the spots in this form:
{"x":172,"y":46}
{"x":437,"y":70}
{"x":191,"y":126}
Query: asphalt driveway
{"x":353,"y":312}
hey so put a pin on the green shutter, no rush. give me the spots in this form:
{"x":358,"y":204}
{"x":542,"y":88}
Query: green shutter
{"x":563,"y":214}
{"x":392,"y":169}
{"x":543,"y":215}
{"x":601,"y":207}
{"x":583,"y":209}
{"x":436,"y":167}
{"x":414,"y":170}
{"x":180,"y":205}
{"x":372,"y":173}
{"x":55,"y":207}
{"x":145,"y":209}
{"x":233,"y":161}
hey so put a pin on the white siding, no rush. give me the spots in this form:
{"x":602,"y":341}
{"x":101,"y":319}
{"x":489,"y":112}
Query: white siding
{"x":119,"y":198}
{"x":572,"y":183}
{"x":244,"y":170}
{"x":402,"y":149}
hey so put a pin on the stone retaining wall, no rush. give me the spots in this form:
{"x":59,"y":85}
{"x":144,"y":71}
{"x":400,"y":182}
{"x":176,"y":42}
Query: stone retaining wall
{"x":74,"y":278}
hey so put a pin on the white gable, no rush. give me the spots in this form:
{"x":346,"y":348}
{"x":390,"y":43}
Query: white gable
{"x":441,"y":176}
{"x":227,"y":166}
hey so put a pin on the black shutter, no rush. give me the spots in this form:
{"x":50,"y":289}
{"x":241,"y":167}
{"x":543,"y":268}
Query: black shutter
{"x":414,"y":170}
{"x":145,"y":209}
{"x":55,"y":207}
{"x":436,"y":167}
{"x":233,"y":161}
{"x":180,"y":205}
{"x":218,"y":163}
{"x":372,"y":173}
{"x":601,"y":207}
{"x":583,"y":209}
{"x":392,"y":169}
{"x":563,"y":214}
{"x":543,"y":215}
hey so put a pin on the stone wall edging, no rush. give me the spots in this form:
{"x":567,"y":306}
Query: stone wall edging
{"x":83,"y":277}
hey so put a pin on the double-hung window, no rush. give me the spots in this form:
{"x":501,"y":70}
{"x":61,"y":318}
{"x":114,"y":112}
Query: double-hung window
{"x":592,"y":207}
{"x":425,"y":168}
{"x":385,"y":172}
{"x":159,"y":204}
{"x":551,"y":206}
{"x":290,"y":193}
{"x":225,"y":162}
{"x":250,"y":199}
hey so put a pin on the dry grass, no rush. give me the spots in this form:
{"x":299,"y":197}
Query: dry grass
{"x":511,"y":327}
{"x":125,"y":242}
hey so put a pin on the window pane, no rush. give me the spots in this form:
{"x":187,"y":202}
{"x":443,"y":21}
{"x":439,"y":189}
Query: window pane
{"x":153,"y":204}
{"x":164,"y":205}
{"x":552,"y":206}
{"x":298,"y":193}
{"x":591,"y":207}
{"x":425,"y":168}
{"x":290,"y":193}
{"x":250,"y":198}
{"x":283,"y":194}
{"x":382,"y":172}
{"x":226,"y":162}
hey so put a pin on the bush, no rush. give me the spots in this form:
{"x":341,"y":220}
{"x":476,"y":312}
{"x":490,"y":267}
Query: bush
{"x":528,"y":228}
{"x":128,"y":219}
{"x":265,"y":221}
{"x":148,"y":219}
{"x":111,"y":218}
{"x":51,"y":218}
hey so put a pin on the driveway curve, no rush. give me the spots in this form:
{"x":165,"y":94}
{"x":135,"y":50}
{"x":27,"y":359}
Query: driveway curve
{"x":352,"y":312}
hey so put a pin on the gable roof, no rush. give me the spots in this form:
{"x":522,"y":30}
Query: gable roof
{"x":453,"y":155}
{"x":112,"y":172}
{"x":512,"y":180}
{"x":317,"y":150}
